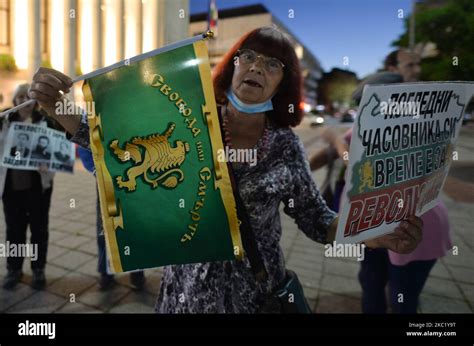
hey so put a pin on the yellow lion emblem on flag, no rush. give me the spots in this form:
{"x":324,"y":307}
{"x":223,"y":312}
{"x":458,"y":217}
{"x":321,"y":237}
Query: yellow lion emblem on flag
{"x":158,"y":157}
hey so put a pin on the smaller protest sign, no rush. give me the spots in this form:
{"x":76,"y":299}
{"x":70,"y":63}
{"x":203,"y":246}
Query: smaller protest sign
{"x":29,"y":146}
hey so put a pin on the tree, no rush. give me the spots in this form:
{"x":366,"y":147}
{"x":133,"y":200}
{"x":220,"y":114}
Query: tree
{"x":337,"y":86}
{"x":450,"y":25}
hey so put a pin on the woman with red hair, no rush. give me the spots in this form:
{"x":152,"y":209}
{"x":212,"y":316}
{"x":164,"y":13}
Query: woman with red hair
{"x":258,"y":90}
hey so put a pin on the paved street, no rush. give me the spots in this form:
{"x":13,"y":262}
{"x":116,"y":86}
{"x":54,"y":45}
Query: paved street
{"x":331,"y":285}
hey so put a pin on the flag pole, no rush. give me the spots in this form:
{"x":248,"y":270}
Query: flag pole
{"x":144,"y":56}
{"x":204,"y":36}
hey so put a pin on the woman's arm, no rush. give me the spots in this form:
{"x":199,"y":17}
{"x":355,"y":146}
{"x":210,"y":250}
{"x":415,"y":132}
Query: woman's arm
{"x":301,"y":198}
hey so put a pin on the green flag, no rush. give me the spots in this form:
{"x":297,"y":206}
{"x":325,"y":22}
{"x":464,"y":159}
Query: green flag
{"x":164,"y":197}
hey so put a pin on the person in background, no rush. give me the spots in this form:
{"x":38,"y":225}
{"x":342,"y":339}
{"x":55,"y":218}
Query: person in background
{"x":26,"y":197}
{"x":405,"y":63}
{"x":107,"y":281}
{"x":405,"y":274}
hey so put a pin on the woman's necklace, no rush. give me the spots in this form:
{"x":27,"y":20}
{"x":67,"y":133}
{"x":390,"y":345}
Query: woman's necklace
{"x":261,"y":151}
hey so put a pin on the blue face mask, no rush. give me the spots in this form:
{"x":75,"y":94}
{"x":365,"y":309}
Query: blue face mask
{"x":248,"y":108}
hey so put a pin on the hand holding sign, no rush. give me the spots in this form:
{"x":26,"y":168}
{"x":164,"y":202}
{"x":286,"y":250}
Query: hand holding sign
{"x":403,"y":240}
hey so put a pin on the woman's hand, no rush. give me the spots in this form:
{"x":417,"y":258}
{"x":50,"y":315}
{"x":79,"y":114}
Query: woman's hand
{"x":404,"y":240}
{"x":47,"y":86}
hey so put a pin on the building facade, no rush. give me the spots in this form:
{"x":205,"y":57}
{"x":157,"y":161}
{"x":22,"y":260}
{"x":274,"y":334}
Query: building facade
{"x":79,"y":36}
{"x":233,"y":23}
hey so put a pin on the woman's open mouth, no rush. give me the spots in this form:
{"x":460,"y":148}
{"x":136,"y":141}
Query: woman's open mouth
{"x":253,"y":83}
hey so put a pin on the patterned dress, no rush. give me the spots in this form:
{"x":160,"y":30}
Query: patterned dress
{"x":282,"y":174}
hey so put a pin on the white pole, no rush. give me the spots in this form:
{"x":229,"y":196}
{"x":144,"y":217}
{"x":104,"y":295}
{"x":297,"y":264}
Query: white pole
{"x":97,"y":52}
{"x":34,"y":23}
{"x":70,"y":20}
{"x":120,"y":27}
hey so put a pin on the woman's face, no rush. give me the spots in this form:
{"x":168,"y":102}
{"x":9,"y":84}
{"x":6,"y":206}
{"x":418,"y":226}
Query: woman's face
{"x":253,"y":82}
{"x":21,"y":98}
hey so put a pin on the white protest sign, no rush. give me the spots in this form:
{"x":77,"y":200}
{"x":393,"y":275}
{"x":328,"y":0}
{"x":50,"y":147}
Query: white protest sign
{"x":401,"y":150}
{"x":28,"y":146}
